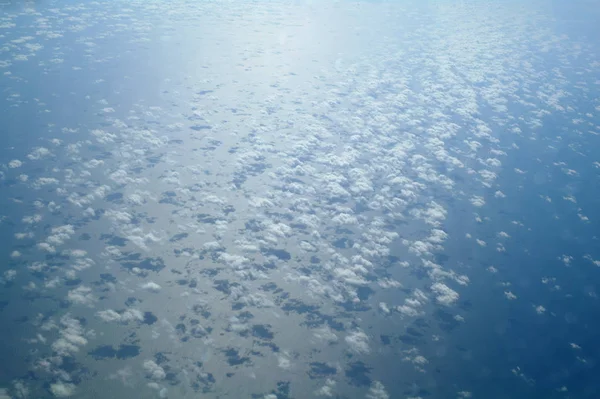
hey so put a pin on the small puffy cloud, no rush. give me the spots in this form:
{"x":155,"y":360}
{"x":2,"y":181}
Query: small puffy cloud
{"x":327,"y":389}
{"x":377,"y":391}
{"x":109,"y":315}
{"x":539,"y":309}
{"x":591,"y":259}
{"x":15,"y":163}
{"x":420,"y":360}
{"x":62,"y":389}
{"x":81,"y":295}
{"x":10,"y":275}
{"x":154,"y":371}
{"x":38,"y":153}
{"x":566,"y":259}
{"x":477,"y":201}
{"x":509,"y":295}
{"x":384,"y":308}
{"x":72,"y":336}
{"x":283,"y":361}
{"x":125,"y":316}
{"x":44,"y":246}
{"x":325,"y":334}
{"x":358,"y":341}
{"x":151,"y":286}
{"x":60,"y":234}
{"x":344,"y":218}
{"x":445,"y":295}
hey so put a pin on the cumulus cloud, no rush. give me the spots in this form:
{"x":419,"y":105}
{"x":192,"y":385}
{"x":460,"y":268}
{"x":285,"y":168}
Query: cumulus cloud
{"x":124,"y":316}
{"x":283,"y":361}
{"x":15,"y":163}
{"x":81,"y":295}
{"x":358,"y":341}
{"x":327,"y":389}
{"x":10,"y":275}
{"x":539,"y":309}
{"x":72,"y":336}
{"x":151,"y":286}
{"x":325,"y":334}
{"x":445,"y":295}
{"x":62,"y":389}
{"x":477,"y":201}
{"x":509,"y":295}
{"x":377,"y":391}
{"x":154,"y":371}
{"x":38,"y":153}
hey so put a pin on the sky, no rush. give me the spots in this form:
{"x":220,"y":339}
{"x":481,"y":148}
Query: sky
{"x":299,"y":199}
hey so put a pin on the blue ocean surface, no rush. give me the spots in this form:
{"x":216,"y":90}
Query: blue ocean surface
{"x":299,"y":199}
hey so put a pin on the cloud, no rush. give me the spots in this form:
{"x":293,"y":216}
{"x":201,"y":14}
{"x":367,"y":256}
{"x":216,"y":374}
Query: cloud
{"x":151,"y":286}
{"x":154,"y":371}
{"x":124,"y":316}
{"x":358,"y":342}
{"x":325,"y":334}
{"x":81,"y":295}
{"x":283,"y":361}
{"x":477,"y":201}
{"x":60,"y":234}
{"x":10,"y":275}
{"x":72,"y":336}
{"x":327,"y":389}
{"x":377,"y":391}
{"x":39,"y":153}
{"x":445,"y":295}
{"x":15,"y":163}
{"x":509,"y":295}
{"x":384,"y":307}
{"x":62,"y":389}
{"x":539,"y":309}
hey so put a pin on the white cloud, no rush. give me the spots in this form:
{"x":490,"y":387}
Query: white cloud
{"x":15,"y":163}
{"x":358,"y":341}
{"x":377,"y":391}
{"x":38,"y":153}
{"x":283,"y":361}
{"x":327,"y":389}
{"x":477,"y":201}
{"x":124,"y":316}
{"x":10,"y":275}
{"x":62,"y":389}
{"x":540,"y":309}
{"x":325,"y":334}
{"x":509,"y":295}
{"x":445,"y":295}
{"x":151,"y":286}
{"x":566,"y":259}
{"x":82,"y":295}
{"x":384,"y":308}
{"x":72,"y":336}
{"x":154,"y":371}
